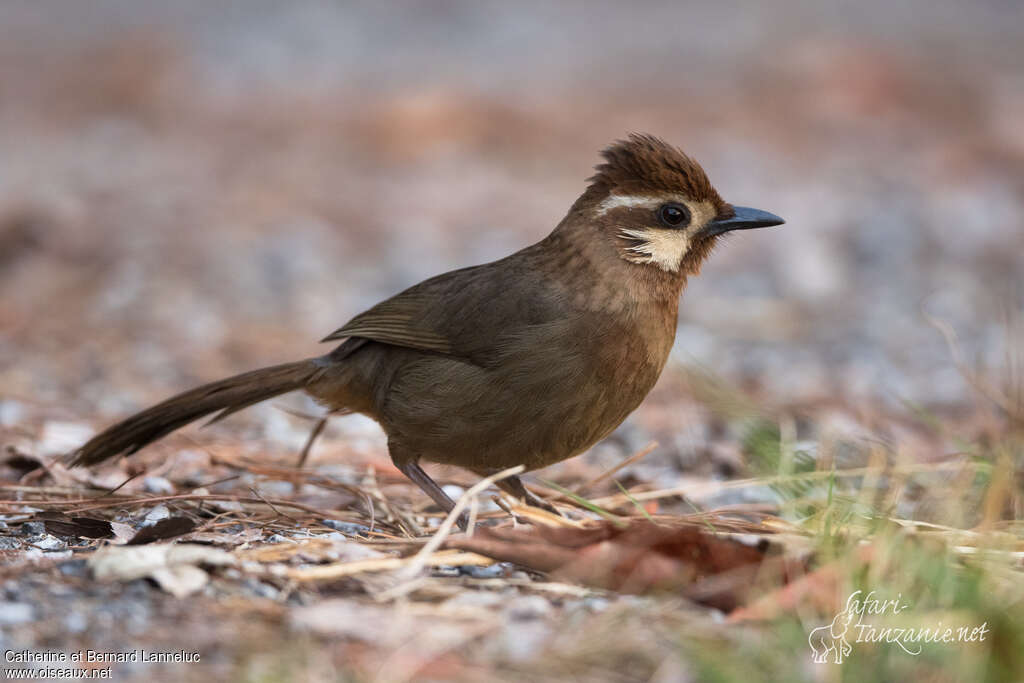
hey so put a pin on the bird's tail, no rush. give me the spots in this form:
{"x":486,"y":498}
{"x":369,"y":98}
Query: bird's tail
{"x":223,"y":398}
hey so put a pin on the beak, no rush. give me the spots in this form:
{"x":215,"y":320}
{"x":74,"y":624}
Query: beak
{"x":745,"y":218}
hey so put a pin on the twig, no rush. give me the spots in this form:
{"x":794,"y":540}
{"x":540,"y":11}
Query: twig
{"x":279,"y":513}
{"x":929,"y":468}
{"x":318,"y":428}
{"x":118,"y":487}
{"x":445,"y":529}
{"x":162,"y":499}
{"x":375,"y":564}
{"x":643,"y":452}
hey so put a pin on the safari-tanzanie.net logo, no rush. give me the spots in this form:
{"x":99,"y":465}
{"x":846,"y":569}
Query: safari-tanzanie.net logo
{"x":863,"y":621}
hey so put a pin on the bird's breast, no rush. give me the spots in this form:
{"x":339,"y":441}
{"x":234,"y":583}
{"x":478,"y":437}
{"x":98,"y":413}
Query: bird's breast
{"x":551,"y":392}
{"x":584,"y":391}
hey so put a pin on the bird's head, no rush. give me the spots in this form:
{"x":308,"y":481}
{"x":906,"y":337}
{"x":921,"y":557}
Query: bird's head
{"x":657,"y":207}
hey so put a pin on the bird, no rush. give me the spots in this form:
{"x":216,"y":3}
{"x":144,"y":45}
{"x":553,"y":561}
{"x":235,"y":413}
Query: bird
{"x":528,"y":360}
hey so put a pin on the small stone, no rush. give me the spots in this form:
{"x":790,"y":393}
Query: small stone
{"x":11,"y":412}
{"x":158,"y":485}
{"x":528,"y":607}
{"x":261,"y":589}
{"x":33,"y":529}
{"x":276,"y":488}
{"x":9,"y":543}
{"x":63,"y":437}
{"x":454,"y":492}
{"x":155,"y":515}
{"x":12,"y":613}
{"x":73,"y":568}
{"x":226,"y":505}
{"x":476,"y":599}
{"x":348,"y":528}
{"x":48,"y":543}
{"x":490,"y":572}
{"x":446,"y":570}
{"x":76,"y":622}
{"x":52,"y":555}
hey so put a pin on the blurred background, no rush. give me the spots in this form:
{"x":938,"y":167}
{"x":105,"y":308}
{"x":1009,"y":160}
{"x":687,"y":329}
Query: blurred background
{"x":192,"y":189}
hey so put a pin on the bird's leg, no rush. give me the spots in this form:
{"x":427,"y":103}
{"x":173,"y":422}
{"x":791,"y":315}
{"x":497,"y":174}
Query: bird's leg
{"x":514,"y":487}
{"x":317,"y":429}
{"x":412,"y":469}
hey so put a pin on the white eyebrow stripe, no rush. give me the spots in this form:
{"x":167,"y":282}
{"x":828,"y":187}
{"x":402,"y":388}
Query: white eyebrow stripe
{"x":616,"y":201}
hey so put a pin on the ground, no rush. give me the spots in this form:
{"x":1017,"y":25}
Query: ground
{"x":189,"y":191}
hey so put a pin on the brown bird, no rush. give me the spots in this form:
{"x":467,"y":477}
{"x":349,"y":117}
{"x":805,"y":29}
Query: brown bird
{"x":528,"y":360}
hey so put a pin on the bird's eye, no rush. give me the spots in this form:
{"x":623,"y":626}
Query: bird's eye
{"x":673,"y":215}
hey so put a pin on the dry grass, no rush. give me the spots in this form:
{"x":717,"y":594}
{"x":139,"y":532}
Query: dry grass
{"x":853,"y":396}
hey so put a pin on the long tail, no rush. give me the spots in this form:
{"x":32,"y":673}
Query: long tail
{"x":224,"y":397}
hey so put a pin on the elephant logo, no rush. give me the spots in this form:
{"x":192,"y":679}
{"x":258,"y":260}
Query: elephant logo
{"x":832,"y":638}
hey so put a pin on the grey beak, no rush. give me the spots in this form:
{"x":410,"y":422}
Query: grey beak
{"x":744,"y":219}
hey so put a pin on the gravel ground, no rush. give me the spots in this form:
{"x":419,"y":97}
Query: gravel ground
{"x":190,"y":190}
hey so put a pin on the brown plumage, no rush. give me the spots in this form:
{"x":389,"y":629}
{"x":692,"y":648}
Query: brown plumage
{"x":527,"y":360}
{"x":645,"y":163}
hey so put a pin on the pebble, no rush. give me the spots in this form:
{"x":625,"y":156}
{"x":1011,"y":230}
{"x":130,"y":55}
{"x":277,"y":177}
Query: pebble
{"x":11,"y":412}
{"x":348,"y":528}
{"x":12,"y":613}
{"x":261,"y":589}
{"x":63,"y":437}
{"x":9,"y":543}
{"x":73,"y":568}
{"x":48,"y":542}
{"x":158,"y":485}
{"x":493,"y":571}
{"x":276,"y":489}
{"x":454,"y":492}
{"x":528,"y":607}
{"x":158,"y":513}
{"x":76,"y":622}
{"x":445,"y":570}
{"x":33,"y":529}
{"x":477,"y":599}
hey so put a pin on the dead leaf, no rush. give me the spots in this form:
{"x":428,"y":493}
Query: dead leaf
{"x":21,"y":461}
{"x":122,"y":533}
{"x":181,"y":580}
{"x":384,"y":563}
{"x":232,"y":539}
{"x":175,"y":567}
{"x":59,"y":524}
{"x":310,"y":550}
{"x":820,"y":590}
{"x":164,"y":529}
{"x":637,"y":558}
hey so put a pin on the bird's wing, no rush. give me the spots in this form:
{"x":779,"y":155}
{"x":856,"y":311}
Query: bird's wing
{"x":465,"y":313}
{"x":400,"y":321}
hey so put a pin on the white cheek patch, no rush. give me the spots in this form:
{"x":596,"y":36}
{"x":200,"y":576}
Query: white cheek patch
{"x":662,"y":248}
{"x":658,"y":246}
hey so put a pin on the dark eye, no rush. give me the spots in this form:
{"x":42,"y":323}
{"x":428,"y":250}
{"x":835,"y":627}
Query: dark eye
{"x":673,"y":215}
